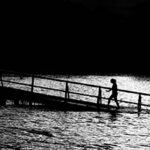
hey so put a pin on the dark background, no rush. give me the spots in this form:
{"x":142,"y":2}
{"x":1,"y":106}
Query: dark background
{"x":70,"y":37}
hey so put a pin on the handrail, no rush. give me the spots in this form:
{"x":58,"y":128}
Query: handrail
{"x":70,"y":92}
{"x":16,"y":82}
{"x":73,"y":92}
{"x":70,"y":82}
{"x":66,"y":88}
{"x":47,"y":88}
{"x":36,"y":86}
{"x":85,"y":84}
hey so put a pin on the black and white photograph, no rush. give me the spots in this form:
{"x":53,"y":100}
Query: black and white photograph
{"x":75,"y":75}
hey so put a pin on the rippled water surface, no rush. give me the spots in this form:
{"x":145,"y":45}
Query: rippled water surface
{"x":40,"y":129}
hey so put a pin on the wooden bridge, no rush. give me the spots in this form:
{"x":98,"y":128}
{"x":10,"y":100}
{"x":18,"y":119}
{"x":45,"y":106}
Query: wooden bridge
{"x":30,"y":94}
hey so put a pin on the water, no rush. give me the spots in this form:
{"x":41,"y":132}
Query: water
{"x":40,"y":129}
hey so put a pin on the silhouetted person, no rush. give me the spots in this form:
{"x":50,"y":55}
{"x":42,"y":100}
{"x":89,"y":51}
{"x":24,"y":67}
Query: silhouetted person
{"x":114,"y":92}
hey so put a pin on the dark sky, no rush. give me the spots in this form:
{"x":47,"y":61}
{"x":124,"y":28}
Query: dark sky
{"x":76,"y":36}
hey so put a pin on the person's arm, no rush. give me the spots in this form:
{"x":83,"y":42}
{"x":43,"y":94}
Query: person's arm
{"x":108,"y":90}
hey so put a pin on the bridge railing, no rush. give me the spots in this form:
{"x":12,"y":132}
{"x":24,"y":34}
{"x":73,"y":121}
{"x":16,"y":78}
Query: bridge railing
{"x":66,"y":90}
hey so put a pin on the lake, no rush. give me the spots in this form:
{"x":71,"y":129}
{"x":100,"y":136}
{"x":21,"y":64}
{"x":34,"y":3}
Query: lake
{"x":42,"y":129}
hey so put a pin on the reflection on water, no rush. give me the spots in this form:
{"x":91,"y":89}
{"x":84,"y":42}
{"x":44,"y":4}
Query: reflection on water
{"x":39,"y":129}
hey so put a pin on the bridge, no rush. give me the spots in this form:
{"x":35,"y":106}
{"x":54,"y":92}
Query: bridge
{"x":21,"y":89}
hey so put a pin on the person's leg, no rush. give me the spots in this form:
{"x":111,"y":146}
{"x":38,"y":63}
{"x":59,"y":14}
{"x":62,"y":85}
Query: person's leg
{"x":110,"y":99}
{"x":115,"y":98}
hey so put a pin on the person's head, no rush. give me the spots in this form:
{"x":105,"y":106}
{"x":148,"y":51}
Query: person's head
{"x":113,"y":80}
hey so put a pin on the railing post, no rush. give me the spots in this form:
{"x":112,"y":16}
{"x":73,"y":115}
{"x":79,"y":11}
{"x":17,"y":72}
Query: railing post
{"x":32,"y":88}
{"x":99,"y":98}
{"x":139,"y":103}
{"x":1,"y":79}
{"x":67,"y":91}
{"x":32,"y":84}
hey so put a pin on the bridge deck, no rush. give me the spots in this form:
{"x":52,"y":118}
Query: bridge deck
{"x":21,"y":97}
{"x":10,"y":89}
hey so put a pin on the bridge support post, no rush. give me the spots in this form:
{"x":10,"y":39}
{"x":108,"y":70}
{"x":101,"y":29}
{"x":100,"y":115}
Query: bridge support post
{"x":30,"y":99}
{"x":16,"y":102}
{"x":139,"y":103}
{"x":30,"y":102}
{"x":3,"y":101}
{"x":3,"y":98}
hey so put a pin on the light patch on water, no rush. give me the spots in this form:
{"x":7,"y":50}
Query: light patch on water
{"x":43,"y":129}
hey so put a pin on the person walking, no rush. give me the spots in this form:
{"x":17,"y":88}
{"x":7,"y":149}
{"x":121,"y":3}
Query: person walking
{"x":114,"y":94}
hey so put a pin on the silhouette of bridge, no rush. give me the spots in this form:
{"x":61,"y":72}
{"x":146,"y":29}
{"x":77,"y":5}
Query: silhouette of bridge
{"x":33,"y":95}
